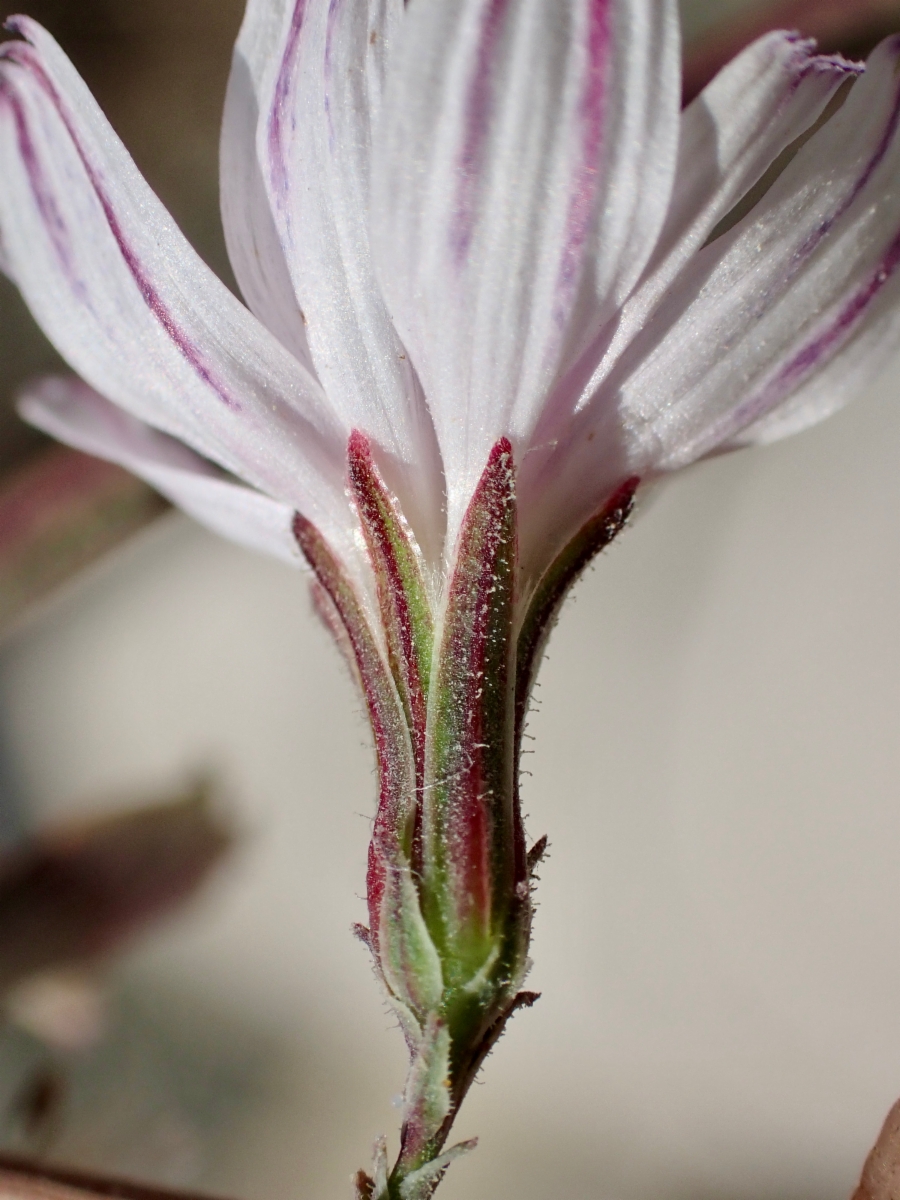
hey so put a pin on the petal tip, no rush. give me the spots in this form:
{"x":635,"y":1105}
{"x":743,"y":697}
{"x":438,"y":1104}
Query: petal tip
{"x":20,"y":24}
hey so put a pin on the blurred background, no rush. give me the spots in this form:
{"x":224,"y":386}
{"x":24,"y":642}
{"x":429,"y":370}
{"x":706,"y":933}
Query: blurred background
{"x":717,"y":765}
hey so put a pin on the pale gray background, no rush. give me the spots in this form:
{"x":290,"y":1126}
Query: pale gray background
{"x":717,"y":765}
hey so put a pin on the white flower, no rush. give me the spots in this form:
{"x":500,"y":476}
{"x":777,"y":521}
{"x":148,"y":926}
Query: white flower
{"x":455,"y":221}
{"x":494,"y":276}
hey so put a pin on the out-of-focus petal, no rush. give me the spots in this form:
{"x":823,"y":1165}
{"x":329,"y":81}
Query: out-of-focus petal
{"x":521,"y":174}
{"x":323,"y":97}
{"x":72,"y":412}
{"x":133,"y":309}
{"x":254,"y":248}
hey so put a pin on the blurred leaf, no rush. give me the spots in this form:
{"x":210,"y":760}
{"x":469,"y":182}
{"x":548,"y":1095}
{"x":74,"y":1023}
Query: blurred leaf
{"x":76,"y":892}
{"x":59,"y":513}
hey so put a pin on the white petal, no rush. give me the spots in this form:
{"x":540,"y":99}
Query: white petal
{"x":521,"y":174}
{"x":324,"y":92}
{"x":801,"y":294}
{"x":254,"y":248}
{"x":847,"y":375}
{"x":132,"y":308}
{"x":732,"y":135}
{"x":761,"y":310}
{"x":74,"y":413}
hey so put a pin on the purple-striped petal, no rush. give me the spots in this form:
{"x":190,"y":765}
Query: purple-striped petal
{"x":521,"y":174}
{"x":72,"y":412}
{"x":732,"y":135}
{"x":852,"y":349}
{"x":768,"y":327}
{"x":256,"y":253}
{"x":762,"y":309}
{"x":132,"y":308}
{"x":323,"y":97}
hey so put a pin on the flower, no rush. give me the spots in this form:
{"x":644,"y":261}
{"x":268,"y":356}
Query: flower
{"x":454,"y":223}
{"x":495,"y":277}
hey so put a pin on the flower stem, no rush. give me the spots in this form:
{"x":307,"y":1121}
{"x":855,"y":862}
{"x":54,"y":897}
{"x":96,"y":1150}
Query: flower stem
{"x":449,"y":884}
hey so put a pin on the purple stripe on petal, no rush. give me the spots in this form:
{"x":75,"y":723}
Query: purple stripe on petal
{"x":818,"y":351}
{"x":43,"y":194}
{"x":791,"y":375}
{"x":814,"y":240}
{"x":801,"y":255}
{"x":813,"y":64}
{"x":279,"y":115}
{"x":804,"y":51}
{"x":825,"y":64}
{"x":586,"y":177}
{"x":334,"y":11}
{"x":862,"y":181}
{"x":477,"y":123}
{"x":26,"y":57}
